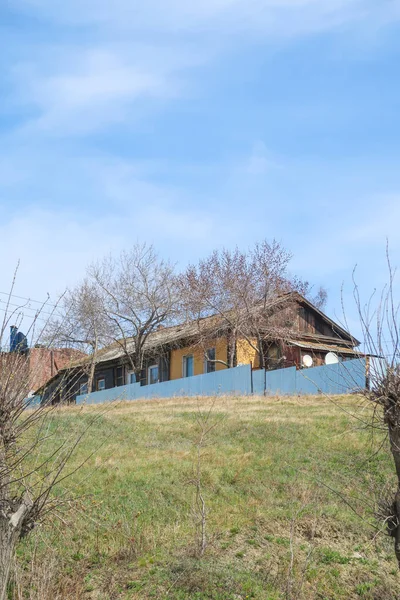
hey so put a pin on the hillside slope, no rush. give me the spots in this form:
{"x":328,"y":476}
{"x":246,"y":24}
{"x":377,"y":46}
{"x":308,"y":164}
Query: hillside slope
{"x":282,"y":480}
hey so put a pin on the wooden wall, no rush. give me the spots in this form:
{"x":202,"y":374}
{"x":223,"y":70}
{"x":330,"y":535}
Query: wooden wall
{"x":310,"y":322}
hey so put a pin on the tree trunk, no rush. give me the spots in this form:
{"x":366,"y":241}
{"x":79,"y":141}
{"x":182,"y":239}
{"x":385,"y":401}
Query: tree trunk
{"x":91,"y":376}
{"x":8,"y":542}
{"x":394,"y":437}
{"x":261,"y":358}
{"x":140,"y":375}
{"x":396,"y":531}
{"x":232,"y":349}
{"x":10,"y":533}
{"x":92,"y":368}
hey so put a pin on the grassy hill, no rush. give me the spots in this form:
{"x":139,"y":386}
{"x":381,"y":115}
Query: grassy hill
{"x":282,"y":480}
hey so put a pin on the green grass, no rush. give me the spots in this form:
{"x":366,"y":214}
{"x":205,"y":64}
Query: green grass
{"x":281,"y":478}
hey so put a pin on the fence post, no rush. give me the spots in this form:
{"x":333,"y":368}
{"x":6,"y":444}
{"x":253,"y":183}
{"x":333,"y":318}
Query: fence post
{"x":251,"y":379}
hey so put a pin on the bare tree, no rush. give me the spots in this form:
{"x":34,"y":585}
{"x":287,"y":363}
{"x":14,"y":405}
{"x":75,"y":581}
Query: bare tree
{"x":139,"y":295}
{"x":379,"y":318}
{"x":206,"y":423}
{"x":34,"y":452}
{"x":249,"y":293}
{"x":80,"y":323}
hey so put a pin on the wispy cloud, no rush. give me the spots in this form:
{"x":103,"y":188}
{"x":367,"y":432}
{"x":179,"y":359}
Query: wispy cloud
{"x":354,"y":233}
{"x":54,"y":246}
{"x":101,"y":70}
{"x":135,"y":53}
{"x":93,"y":90}
{"x":55,"y":241}
{"x":236,"y":15}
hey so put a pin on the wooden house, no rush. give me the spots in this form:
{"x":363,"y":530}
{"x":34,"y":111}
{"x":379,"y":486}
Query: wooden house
{"x":179,"y":351}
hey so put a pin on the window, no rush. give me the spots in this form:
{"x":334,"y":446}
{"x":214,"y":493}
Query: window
{"x":188,"y":369}
{"x":83,"y":389}
{"x":119,"y":376}
{"x":131,"y":377}
{"x":273,"y":357}
{"x":153,"y":374}
{"x":101,"y":384}
{"x":209,"y":363}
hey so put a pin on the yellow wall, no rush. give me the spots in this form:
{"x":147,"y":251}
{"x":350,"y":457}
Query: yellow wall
{"x":245,"y":354}
{"x":176,"y":365}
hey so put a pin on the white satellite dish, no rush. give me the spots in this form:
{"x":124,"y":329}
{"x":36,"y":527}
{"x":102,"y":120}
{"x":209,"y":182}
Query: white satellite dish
{"x":331,"y":358}
{"x":307,"y":361}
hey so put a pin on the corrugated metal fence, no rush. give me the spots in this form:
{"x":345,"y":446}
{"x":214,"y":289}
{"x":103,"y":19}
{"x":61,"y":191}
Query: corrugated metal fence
{"x":342,"y":378}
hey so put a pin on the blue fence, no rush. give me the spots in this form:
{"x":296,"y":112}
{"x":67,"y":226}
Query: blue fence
{"x":342,"y":378}
{"x":229,"y":381}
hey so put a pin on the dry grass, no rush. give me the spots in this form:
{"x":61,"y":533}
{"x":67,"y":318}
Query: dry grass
{"x":282,"y":479}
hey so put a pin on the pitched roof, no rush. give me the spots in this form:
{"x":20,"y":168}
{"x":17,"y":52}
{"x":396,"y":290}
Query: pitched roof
{"x":344,"y":334}
{"x":168,"y":336}
{"x":164,"y":336}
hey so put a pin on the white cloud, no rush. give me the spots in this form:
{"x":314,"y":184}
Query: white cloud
{"x":166,"y":213}
{"x":137,"y":53}
{"x":55,"y":244}
{"x":89,"y":90}
{"x":276,"y":16}
{"x":52,"y":247}
{"x":354,"y":233}
{"x":101,"y":79}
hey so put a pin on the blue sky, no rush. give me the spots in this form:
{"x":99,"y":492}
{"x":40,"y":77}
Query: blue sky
{"x":195,"y":127}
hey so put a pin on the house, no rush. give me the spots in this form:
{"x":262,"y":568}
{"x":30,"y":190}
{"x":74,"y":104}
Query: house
{"x":178,"y":351}
{"x":40,"y":364}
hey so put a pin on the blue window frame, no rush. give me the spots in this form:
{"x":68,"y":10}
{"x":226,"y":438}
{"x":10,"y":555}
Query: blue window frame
{"x":131,"y":377}
{"x":188,"y":365}
{"x":153,"y":374}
